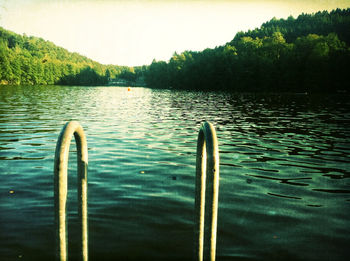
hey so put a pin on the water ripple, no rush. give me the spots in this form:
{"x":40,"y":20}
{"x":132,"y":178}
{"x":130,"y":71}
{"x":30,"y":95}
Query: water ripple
{"x":284,"y":172}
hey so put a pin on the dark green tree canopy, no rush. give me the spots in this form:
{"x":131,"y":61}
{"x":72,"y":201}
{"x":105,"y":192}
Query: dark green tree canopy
{"x":32,"y":60}
{"x":309,"y":53}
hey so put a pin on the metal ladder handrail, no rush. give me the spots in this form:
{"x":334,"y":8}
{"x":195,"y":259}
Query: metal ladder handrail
{"x":207,"y":193}
{"x":61,"y":188}
{"x":206,"y":197}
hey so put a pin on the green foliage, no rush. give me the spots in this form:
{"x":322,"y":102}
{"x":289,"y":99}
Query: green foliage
{"x":320,"y":23}
{"x":310,"y":53}
{"x":156,"y":75}
{"x":32,"y":60}
{"x":85,"y":77}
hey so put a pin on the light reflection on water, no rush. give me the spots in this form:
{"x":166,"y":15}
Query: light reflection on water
{"x":285,"y":168}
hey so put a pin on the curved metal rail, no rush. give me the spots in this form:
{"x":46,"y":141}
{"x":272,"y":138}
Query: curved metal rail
{"x":206,"y":198}
{"x":60,"y":188}
{"x":207,"y":193}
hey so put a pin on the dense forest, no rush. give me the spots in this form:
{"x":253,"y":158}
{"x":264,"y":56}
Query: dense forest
{"x":31,"y":60}
{"x":309,"y":53}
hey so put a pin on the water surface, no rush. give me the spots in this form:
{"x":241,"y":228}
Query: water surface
{"x":284,"y":172}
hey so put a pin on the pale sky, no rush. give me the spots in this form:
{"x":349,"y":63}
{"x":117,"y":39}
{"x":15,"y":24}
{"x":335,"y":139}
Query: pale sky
{"x":134,"y":32}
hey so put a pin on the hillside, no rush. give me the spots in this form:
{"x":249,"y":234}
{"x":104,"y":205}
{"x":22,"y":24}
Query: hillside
{"x":32,"y":60}
{"x":320,"y":23}
{"x":309,"y":53}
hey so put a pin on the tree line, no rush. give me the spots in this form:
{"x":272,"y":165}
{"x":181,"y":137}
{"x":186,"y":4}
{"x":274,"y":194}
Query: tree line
{"x":34,"y":61}
{"x":309,"y":53}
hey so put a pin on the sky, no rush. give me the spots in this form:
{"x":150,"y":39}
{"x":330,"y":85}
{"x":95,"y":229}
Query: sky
{"x":133,"y":33}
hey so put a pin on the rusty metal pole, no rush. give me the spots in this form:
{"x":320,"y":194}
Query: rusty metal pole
{"x":60,"y":188}
{"x":207,"y":193}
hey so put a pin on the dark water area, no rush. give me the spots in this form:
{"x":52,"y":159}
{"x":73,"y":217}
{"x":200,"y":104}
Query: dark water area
{"x":284,"y":172}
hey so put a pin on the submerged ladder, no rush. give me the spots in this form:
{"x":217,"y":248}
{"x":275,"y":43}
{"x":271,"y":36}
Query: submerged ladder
{"x":206,"y":197}
{"x":61,"y":188}
{"x":207,"y":193}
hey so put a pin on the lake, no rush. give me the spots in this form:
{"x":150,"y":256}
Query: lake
{"x":284,"y":172}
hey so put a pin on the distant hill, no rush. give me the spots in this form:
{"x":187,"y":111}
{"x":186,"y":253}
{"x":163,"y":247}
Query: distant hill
{"x":303,"y":54}
{"x":320,"y":23}
{"x":309,"y":53}
{"x":31,"y":60}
